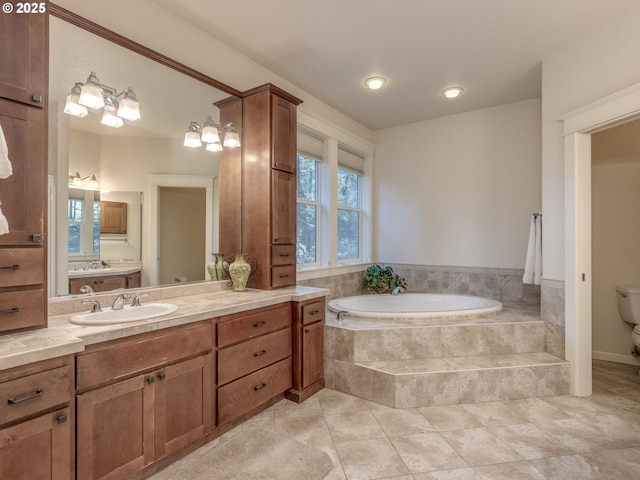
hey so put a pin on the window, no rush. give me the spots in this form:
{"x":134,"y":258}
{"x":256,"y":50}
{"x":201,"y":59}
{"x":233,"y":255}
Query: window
{"x":349,"y":214}
{"x":96,"y":227}
{"x":76,"y":214}
{"x":308,"y":212}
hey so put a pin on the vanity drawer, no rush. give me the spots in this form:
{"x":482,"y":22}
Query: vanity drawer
{"x":254,"y":324}
{"x":312,"y":312}
{"x":21,"y":266}
{"x":34,"y":393}
{"x":283,"y":276}
{"x":283,"y":254}
{"x":242,"y":395}
{"x":21,"y":309}
{"x":246,"y":357}
{"x":120,"y":360}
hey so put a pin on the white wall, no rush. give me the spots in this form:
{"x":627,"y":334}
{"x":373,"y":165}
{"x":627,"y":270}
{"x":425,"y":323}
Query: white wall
{"x":459,"y":190}
{"x":616,"y":229}
{"x":599,"y":63}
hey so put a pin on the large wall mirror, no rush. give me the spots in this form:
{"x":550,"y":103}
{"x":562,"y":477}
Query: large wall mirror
{"x":169,"y":191}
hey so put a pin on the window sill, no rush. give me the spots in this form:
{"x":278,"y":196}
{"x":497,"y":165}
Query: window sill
{"x":309,"y":273}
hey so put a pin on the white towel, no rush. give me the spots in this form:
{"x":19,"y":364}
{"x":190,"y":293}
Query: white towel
{"x":533,"y":262}
{"x":4,"y":225}
{"x":5,"y":164}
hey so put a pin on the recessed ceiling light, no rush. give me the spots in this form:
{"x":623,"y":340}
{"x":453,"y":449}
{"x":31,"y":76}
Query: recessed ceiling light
{"x":374,"y":83}
{"x":452,"y":92}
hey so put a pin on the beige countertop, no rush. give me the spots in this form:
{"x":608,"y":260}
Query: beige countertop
{"x":64,"y":338}
{"x":98,"y":272}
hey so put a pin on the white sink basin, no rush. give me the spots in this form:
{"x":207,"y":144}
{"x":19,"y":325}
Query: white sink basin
{"x":127,"y":314}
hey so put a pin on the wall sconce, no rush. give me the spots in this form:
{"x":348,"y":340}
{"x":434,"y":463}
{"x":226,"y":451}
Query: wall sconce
{"x":212,"y":134}
{"x":96,"y":95}
{"x":76,"y":181}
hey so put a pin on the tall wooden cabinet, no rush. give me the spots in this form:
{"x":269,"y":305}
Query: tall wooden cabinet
{"x":23,"y":193}
{"x":269,"y":185}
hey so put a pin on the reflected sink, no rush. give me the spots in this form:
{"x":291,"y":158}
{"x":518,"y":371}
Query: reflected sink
{"x":127,"y":314}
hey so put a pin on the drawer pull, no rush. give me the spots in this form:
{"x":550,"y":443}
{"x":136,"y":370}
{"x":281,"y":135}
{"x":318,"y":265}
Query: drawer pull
{"x":315,"y":312}
{"x":259,"y":387}
{"x":307,"y":330}
{"x":260,"y":324}
{"x":39,"y":393}
{"x":162,"y":376}
{"x":151,"y":380}
{"x":284,"y":254}
{"x":260,"y":353}
{"x":284,"y":276}
{"x":11,"y":310}
{"x":11,"y":267}
{"x":62,"y":419}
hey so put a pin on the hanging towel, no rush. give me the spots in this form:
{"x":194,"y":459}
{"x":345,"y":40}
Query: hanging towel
{"x":4,"y":225}
{"x":533,"y":262}
{"x":5,"y":164}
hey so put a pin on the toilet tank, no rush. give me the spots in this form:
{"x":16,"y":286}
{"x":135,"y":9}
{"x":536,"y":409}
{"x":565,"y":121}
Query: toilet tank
{"x":629,"y":303}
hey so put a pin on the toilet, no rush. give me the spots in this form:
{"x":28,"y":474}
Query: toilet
{"x":629,"y":307}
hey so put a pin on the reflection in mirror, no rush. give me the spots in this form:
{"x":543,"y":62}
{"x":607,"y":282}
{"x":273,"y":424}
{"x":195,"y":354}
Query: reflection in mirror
{"x":124,"y":159}
{"x":84,"y":225}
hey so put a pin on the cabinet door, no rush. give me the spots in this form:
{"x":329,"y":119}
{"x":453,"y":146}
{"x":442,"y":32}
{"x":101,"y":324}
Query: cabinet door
{"x":23,"y":55}
{"x":182,"y":404}
{"x":283,"y":214}
{"x":284,"y":131}
{"x":113,"y":217}
{"x":133,"y":280}
{"x":22,"y":194}
{"x":312,"y":353}
{"x":115,"y":429}
{"x":38,"y":448}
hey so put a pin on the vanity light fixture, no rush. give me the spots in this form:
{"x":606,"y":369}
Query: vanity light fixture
{"x":96,"y":95}
{"x":76,"y":181}
{"x":375,"y":83}
{"x":213,"y":135}
{"x":452,"y":92}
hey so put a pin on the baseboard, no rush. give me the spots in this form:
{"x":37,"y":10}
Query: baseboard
{"x":616,"y":357}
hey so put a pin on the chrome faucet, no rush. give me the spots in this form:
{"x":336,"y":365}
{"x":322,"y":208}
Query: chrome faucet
{"x":96,"y":305}
{"x":397,"y":290}
{"x":136,"y":299}
{"x":87,"y":289}
{"x":118,"y":303}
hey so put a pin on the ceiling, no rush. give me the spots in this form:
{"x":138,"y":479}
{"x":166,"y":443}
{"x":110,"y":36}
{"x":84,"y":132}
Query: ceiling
{"x":491,"y":48}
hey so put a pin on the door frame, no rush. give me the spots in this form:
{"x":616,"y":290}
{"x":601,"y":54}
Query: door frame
{"x":211,"y":223}
{"x":578,"y":126}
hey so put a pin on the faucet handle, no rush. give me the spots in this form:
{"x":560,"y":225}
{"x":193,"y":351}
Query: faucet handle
{"x":136,"y":299}
{"x":96,"y":305}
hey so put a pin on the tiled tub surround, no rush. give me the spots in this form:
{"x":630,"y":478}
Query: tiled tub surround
{"x":196,"y":302}
{"x":445,"y":362}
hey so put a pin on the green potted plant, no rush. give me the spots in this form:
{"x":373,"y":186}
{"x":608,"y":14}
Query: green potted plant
{"x":381,"y":279}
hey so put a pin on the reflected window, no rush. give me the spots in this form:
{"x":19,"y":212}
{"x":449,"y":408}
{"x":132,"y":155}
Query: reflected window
{"x":75,"y":216}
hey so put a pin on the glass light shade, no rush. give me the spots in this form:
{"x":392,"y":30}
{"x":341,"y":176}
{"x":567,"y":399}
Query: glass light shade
{"x":452,"y":92}
{"x":91,"y":96}
{"x":374,"y":83}
{"x":192,"y":139}
{"x":93,"y":183}
{"x":214,"y":147}
{"x":231,"y":139}
{"x":129,"y":108}
{"x":210,"y":134}
{"x":72,"y":107}
{"x":111,"y":120}
{"x":76,"y":181}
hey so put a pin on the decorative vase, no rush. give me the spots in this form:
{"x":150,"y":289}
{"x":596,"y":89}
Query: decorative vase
{"x":240,"y":270}
{"x":216,"y":267}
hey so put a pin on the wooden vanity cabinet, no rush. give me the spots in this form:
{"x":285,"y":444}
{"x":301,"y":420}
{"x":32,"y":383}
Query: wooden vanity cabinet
{"x":23,"y":118}
{"x":269,"y":183}
{"x":36,"y":421}
{"x":142,"y":398}
{"x":113,"y":217}
{"x":308,"y":349}
{"x":105,"y":283}
{"x":254,"y":359}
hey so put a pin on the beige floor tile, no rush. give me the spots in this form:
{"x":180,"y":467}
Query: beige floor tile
{"x":616,"y":464}
{"x":357,"y":425}
{"x":480,"y":446}
{"x":456,"y":474}
{"x":370,"y":459}
{"x":332,"y":401}
{"x":510,"y":471}
{"x":576,"y":434}
{"x":577,"y":406}
{"x":531,"y":441}
{"x":427,"y":452}
{"x":312,"y":430}
{"x":288,"y":409}
{"x":337,"y":472}
{"x":397,"y":422}
{"x":536,"y":410}
{"x":494,"y":413}
{"x":567,"y":467}
{"x":453,"y":417}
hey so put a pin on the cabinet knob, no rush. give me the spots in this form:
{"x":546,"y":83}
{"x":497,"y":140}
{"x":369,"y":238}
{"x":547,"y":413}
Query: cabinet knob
{"x":36,"y":237}
{"x":37,"y":97}
{"x":151,"y":380}
{"x":162,"y":376}
{"x":63,"y":419}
